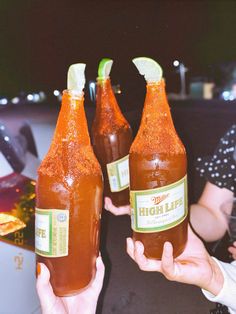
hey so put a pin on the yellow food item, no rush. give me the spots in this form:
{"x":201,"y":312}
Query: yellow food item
{"x":9,"y":224}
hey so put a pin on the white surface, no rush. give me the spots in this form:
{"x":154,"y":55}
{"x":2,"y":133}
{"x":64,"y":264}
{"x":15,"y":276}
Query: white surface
{"x":31,"y":165}
{"x":5,"y":168}
{"x":43,"y":134}
{"x":17,"y":281}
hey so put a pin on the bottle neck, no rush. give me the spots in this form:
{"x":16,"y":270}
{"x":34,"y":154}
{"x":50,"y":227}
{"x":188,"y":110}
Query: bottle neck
{"x":105,"y":99}
{"x":157,"y":135}
{"x":72,"y":124}
{"x":156,"y":108}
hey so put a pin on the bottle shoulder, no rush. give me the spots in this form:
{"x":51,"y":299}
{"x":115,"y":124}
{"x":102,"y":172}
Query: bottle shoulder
{"x":80,"y":161}
{"x":167,"y":143}
{"x":107,"y":127}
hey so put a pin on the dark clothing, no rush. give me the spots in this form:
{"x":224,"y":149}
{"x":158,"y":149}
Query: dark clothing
{"x":220,"y":169}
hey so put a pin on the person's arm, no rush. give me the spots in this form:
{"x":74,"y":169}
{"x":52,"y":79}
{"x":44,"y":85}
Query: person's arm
{"x":206,"y":217}
{"x":227,"y":294}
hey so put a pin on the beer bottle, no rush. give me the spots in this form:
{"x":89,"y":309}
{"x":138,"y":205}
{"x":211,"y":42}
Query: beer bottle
{"x":69,"y":196}
{"x":158,"y":180}
{"x":111,"y":137}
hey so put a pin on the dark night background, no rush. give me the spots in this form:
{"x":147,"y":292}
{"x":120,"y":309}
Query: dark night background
{"x":40,"y":39}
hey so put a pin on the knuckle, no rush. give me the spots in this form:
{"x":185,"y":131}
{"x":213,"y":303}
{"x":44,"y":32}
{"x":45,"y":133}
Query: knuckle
{"x":141,"y":267}
{"x":168,"y":274}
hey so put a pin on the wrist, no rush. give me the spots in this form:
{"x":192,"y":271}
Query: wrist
{"x":216,"y":283}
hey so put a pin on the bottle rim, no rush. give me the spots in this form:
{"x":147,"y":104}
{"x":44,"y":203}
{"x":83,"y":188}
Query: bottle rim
{"x":160,"y":82}
{"x":73,"y":93}
{"x":101,"y":79}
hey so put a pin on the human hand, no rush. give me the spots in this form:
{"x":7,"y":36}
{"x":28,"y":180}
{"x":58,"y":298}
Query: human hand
{"x":117,"y":211}
{"x":232,"y":250}
{"x":81,"y":303}
{"x":194,"y":266}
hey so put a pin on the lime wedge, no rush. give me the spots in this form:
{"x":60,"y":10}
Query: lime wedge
{"x":104,"y":68}
{"x":76,"y":77}
{"x":149,"y":68}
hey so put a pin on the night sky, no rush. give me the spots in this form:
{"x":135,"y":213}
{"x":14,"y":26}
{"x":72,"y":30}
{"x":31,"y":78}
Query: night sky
{"x":40,"y":39}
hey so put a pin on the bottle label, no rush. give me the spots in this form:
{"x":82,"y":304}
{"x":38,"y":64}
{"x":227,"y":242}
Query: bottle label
{"x":159,"y":209}
{"x":51,"y":232}
{"x":118,"y":174}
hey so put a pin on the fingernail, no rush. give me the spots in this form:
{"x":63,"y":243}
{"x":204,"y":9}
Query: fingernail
{"x":38,"y":269}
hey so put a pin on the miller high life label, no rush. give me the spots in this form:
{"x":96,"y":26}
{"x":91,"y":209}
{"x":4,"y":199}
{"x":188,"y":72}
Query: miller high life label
{"x":118,"y":174}
{"x":51,"y":232}
{"x":159,"y":209}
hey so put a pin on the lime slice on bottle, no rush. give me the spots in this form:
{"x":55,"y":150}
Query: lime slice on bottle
{"x":149,"y":68}
{"x":104,"y":68}
{"x":76,"y":77}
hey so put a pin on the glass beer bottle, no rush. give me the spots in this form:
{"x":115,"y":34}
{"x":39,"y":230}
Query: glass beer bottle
{"x":112,"y":138}
{"x":158,"y":180}
{"x":69,"y":197}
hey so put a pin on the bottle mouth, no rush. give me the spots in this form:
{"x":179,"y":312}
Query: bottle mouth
{"x":102,"y":79}
{"x":73,"y":93}
{"x":158,"y":83}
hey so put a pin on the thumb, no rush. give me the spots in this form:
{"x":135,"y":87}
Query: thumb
{"x":107,"y":203}
{"x":44,"y":289}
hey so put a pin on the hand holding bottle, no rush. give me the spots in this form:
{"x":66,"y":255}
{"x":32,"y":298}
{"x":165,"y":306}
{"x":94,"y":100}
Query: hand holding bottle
{"x":117,"y":211}
{"x":83,"y":302}
{"x":194,"y":266}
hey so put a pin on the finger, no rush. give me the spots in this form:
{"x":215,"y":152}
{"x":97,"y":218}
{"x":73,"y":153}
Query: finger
{"x":107,"y":203}
{"x":130,"y":247}
{"x":117,"y":211}
{"x":44,"y":288}
{"x":139,"y":256}
{"x":146,"y":264}
{"x":168,"y":266}
{"x":191,"y":234}
{"x":98,"y":280}
{"x":192,"y":237}
{"x":232,"y":250}
{"x":110,"y":207}
{"x":124,"y":210}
